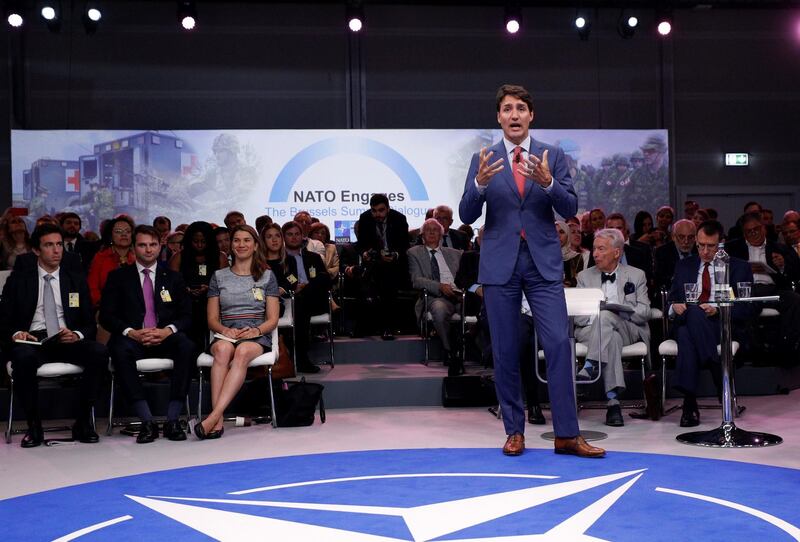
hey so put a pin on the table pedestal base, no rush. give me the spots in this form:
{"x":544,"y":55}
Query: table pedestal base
{"x":728,"y":435}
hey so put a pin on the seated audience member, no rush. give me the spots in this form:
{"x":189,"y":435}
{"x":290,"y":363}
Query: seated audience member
{"x":634,"y":254}
{"x":15,"y":241}
{"x":117,"y":252}
{"x":596,"y":221}
{"x":181,"y":228}
{"x":146,"y":309}
{"x":664,"y":218}
{"x":575,"y":240}
{"x":451,"y":238}
{"x":304,"y":219}
{"x":307,"y":278}
{"x":467,"y":230}
{"x":74,"y":242}
{"x":197,"y":262}
{"x":712,"y":213}
{"x":50,"y":301}
{"x":775,"y":268}
{"x":696,"y":327}
{"x":174,"y":245}
{"x":275,"y":254}
{"x":413,"y":235}
{"x":791,"y":216}
{"x":233,"y":219}
{"x":163,"y":226}
{"x":768,"y":219}
{"x":573,"y":260}
{"x":735,"y":232}
{"x":606,"y":335}
{"x":242,"y":306}
{"x":262,"y":221}
{"x":645,"y":233}
{"x":684,"y":234}
{"x":223,"y":241}
{"x":699,"y":217}
{"x":689,"y":208}
{"x":433,"y":267}
{"x":320,"y":232}
{"x":382,"y":244}
{"x":791,"y":235}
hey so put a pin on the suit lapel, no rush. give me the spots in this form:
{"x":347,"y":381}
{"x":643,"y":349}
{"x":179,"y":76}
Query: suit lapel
{"x":536,"y":151}
{"x":136,"y":285}
{"x":508,"y":170}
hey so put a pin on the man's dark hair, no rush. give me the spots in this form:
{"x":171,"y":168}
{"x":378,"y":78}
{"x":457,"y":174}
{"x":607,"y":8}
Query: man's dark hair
{"x":160,"y":219}
{"x":262,"y":221}
{"x":711,"y":228}
{"x":42,"y":230}
{"x":749,"y":203}
{"x":750,"y":217}
{"x":64,"y":216}
{"x":289,"y":225}
{"x":617,"y":216}
{"x":144,"y":229}
{"x":712,"y":213}
{"x":517,"y":92}
{"x":220,"y":229}
{"x":377,"y":199}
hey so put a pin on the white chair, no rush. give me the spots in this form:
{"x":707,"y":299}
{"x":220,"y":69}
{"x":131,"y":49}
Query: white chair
{"x":267,"y":360}
{"x":669,"y":348}
{"x":144,"y":365}
{"x":287,"y":321}
{"x":3,"y":278}
{"x":458,"y":318}
{"x":326,"y":319}
{"x":47,"y":370}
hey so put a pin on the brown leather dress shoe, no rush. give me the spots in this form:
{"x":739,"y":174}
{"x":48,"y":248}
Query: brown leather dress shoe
{"x":515,"y":444}
{"x":577,"y":446}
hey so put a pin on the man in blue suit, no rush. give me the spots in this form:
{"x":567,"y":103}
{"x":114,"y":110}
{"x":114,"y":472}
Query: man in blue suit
{"x":520,"y":252}
{"x":696,"y":327}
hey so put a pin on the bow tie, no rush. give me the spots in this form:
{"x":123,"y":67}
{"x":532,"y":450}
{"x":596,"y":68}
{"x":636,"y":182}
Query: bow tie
{"x":610,"y":277}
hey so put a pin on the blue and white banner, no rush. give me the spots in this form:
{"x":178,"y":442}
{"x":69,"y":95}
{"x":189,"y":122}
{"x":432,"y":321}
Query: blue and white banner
{"x":201,"y":175}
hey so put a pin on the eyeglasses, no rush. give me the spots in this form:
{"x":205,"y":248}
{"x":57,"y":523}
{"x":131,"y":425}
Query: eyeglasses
{"x":122,"y":232}
{"x":690,"y":237}
{"x":752,"y":232}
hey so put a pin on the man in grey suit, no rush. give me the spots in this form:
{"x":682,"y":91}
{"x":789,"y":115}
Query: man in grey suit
{"x":433,"y":268}
{"x":626,"y":287}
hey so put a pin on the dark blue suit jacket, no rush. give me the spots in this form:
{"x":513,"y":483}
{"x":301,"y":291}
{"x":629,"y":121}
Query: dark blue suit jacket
{"x":507,"y":213}
{"x":686,"y":272}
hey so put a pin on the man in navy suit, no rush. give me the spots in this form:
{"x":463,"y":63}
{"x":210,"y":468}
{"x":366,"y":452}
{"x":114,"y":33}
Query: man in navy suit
{"x":697,"y":327}
{"x":147,"y":310}
{"x":522,"y":181}
{"x":48,"y":299}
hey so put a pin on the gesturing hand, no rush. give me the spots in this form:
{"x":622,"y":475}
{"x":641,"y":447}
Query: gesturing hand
{"x":486,"y":170}
{"x":537,"y":170}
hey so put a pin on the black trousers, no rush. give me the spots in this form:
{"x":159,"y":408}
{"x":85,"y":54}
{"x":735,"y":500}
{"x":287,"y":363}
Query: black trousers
{"x":26,"y":359}
{"x":177,"y":347}
{"x":309,"y":302}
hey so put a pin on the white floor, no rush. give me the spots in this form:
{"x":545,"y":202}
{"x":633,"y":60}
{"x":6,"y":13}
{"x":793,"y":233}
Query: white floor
{"x":384,"y":428}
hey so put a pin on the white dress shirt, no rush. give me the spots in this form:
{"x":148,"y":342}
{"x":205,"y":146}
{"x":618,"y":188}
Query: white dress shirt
{"x":445,"y":275}
{"x":38,"y":322}
{"x":759,"y":255}
{"x":152,"y":268}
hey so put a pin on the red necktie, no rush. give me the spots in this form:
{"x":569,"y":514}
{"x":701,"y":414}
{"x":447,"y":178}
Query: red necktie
{"x":519,"y":178}
{"x":706,"y":293}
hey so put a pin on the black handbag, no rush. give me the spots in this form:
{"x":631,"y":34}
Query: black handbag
{"x":297,"y":404}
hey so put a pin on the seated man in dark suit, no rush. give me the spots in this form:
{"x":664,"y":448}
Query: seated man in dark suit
{"x":684,"y":234}
{"x":696,"y":327}
{"x":148,"y":312}
{"x":434,"y":268}
{"x":635,"y":254}
{"x":49,"y":300}
{"x":451,"y":238}
{"x":383,"y":243}
{"x":775,"y":268}
{"x":310,"y":282}
{"x":74,"y":243}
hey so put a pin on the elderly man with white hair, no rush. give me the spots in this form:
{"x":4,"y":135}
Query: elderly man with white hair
{"x":623,"y":322}
{"x":433,"y":267}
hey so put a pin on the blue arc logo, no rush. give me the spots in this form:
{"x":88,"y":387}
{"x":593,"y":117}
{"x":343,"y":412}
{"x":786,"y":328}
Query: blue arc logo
{"x":361,"y":146}
{"x":425,"y":495}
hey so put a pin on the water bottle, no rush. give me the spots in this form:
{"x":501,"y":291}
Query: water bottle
{"x":721,"y":266}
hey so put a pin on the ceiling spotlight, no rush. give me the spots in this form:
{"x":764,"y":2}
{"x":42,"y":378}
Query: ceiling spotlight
{"x":664,"y":25}
{"x":51,"y":14}
{"x":626,"y":25}
{"x":513,"y":19}
{"x":13,"y":14}
{"x":187,"y":14}
{"x":583,"y":24}
{"x":91,"y":17}
{"x":355,"y":17}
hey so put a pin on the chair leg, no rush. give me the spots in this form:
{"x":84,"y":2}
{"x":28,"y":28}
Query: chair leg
{"x":199,"y":393}
{"x":10,"y":410}
{"x":110,"y":427}
{"x":330,"y":339}
{"x":188,"y":409}
{"x":644,"y":376}
{"x":271,"y":398}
